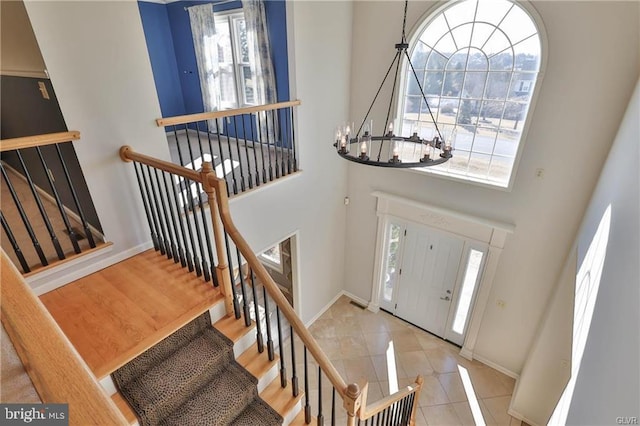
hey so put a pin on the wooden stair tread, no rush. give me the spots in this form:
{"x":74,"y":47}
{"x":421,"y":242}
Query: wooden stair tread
{"x":233,"y":328}
{"x":124,"y":408}
{"x":299,"y":419}
{"x":279,"y":398}
{"x":256,"y":363}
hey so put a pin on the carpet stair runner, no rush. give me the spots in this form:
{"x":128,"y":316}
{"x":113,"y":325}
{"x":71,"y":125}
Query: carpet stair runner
{"x":192,"y":378}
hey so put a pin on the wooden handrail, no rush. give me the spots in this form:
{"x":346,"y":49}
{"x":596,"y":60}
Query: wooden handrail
{"x":127,"y":154}
{"x":384,"y":403}
{"x":54,"y":366}
{"x":38,"y":140}
{"x":272,"y":288}
{"x":192,"y":118}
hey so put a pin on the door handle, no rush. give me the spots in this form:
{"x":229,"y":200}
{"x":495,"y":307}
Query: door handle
{"x":445,"y":298}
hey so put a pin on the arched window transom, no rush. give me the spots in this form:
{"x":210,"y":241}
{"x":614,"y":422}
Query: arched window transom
{"x":478,"y":63}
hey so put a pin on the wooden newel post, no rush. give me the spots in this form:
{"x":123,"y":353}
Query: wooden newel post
{"x":416,"y":400}
{"x":222,"y":269}
{"x":352,"y":403}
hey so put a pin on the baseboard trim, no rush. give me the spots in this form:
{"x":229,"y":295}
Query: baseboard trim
{"x":495,"y":366}
{"x":54,"y":278}
{"x":324,"y":309}
{"x":355,"y":298}
{"x":520,"y":417}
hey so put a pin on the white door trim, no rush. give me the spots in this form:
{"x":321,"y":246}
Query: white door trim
{"x":493,"y":233}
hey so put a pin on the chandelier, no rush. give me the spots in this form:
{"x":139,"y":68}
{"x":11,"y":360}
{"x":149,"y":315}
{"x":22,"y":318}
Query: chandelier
{"x":389,"y":149}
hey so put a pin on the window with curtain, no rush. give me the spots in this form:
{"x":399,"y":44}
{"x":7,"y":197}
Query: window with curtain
{"x":477,"y":62}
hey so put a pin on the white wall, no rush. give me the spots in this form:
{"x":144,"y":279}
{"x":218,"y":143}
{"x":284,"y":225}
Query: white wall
{"x":592,"y":66}
{"x":98,"y":63}
{"x":313,"y":201}
{"x":608,"y":383}
{"x":99,"y":66}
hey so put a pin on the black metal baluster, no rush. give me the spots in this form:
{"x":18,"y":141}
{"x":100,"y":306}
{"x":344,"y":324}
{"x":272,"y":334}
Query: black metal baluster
{"x":245,"y":305}
{"x":74,"y":195}
{"x":256,"y":310}
{"x":333,"y":407}
{"x":196,"y":227}
{"x":293,"y":142}
{"x":43,"y":212}
{"x":270,"y":351}
{"x":171,"y":253}
{"x":178,"y":149}
{"x":14,"y":244}
{"x":266,"y":119}
{"x":199,"y":233}
{"x":152,"y":228}
{"x":233,"y":169}
{"x":275,"y":142}
{"x":307,"y":406}
{"x":178,"y":251}
{"x":200,"y":143}
{"x":378,"y":420}
{"x":294,"y":376}
{"x":205,"y":268}
{"x":282,"y":132}
{"x":260,"y":141}
{"x":246,"y":151}
{"x":235,"y":127}
{"x":192,"y":261}
{"x":186,"y":255}
{"x":224,"y":168}
{"x":287,"y":136}
{"x":255,"y":154}
{"x":70,"y":231}
{"x":320,"y":417}
{"x":234,"y":292}
{"x":283,"y":369}
{"x":155,"y":213}
{"x":193,"y":161}
{"x":399,"y":408}
{"x":384,"y":416}
{"x":25,"y":219}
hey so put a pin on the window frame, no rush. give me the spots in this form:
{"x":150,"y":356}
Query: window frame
{"x":413,"y":38}
{"x":231,"y":17}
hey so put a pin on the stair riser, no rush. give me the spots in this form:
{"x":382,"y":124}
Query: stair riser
{"x":244,"y":343}
{"x":268,"y":377}
{"x":291,"y":415}
{"x":108,"y":385}
{"x":217,"y":312}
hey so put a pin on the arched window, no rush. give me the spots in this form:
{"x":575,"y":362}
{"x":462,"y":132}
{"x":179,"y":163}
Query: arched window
{"x":478,"y":63}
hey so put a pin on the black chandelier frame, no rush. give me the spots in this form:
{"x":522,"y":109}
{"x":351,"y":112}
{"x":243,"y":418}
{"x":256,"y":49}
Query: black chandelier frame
{"x":344,"y":142}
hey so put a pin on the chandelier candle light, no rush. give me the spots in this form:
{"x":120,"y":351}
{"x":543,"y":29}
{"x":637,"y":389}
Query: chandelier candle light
{"x":389,"y":149}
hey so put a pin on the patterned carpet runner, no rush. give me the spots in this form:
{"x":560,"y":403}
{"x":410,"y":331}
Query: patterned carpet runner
{"x":192,"y":378}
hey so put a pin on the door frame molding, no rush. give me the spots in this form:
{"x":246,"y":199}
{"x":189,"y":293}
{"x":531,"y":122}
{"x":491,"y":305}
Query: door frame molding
{"x":493,"y":233}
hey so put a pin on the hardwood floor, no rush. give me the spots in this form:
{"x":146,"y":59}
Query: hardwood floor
{"x":113,"y":315}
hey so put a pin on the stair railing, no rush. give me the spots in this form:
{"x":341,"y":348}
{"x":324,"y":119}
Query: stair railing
{"x":248,"y":147}
{"x":250,"y":292}
{"x":32,"y":160}
{"x":54,"y":366}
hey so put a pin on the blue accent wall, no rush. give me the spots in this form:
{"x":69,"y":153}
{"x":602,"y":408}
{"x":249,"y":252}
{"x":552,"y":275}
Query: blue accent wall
{"x":155,"y":22}
{"x":174,"y":24}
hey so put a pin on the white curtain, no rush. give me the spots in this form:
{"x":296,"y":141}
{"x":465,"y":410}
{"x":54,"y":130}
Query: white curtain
{"x":262,"y":65}
{"x":203,"y":29}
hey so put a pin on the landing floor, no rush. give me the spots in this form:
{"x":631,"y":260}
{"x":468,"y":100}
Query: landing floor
{"x":111,"y":316}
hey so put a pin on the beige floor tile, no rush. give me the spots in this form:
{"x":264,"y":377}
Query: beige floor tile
{"x":346,"y":327}
{"x":498,"y":408}
{"x":405,"y":341}
{"x":464,"y":413}
{"x":353,"y":347}
{"x":323,"y":329}
{"x":487,"y":384}
{"x":442,"y":361}
{"x":331,"y":347}
{"x":377,"y":343}
{"x":453,"y":386}
{"x":359,"y":370}
{"x":432,"y":393}
{"x":414,"y":363}
{"x":488,"y":418}
{"x":372,"y":323}
{"x":441,"y":415}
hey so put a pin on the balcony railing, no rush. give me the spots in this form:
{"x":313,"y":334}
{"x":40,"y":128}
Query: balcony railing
{"x":45,"y":213}
{"x":248,"y":147}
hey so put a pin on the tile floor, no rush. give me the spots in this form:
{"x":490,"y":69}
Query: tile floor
{"x":356,"y":341}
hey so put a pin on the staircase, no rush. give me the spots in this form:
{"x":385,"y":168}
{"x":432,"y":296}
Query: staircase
{"x":203,"y":374}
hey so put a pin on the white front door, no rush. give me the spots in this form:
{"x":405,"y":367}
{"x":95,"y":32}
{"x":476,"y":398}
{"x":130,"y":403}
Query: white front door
{"x":430,"y":278}
{"x":427,"y":278}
